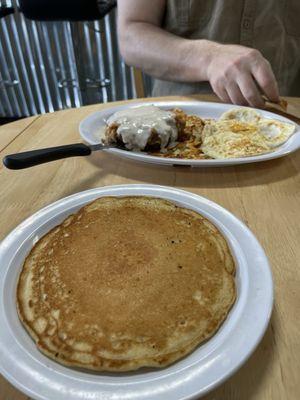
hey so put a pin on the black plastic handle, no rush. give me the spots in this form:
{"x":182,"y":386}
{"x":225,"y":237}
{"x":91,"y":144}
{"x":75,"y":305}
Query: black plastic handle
{"x":35,"y":157}
{"x":66,"y":10}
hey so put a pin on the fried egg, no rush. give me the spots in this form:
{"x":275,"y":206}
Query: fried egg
{"x":275,"y":132}
{"x":242,"y":115}
{"x":243,"y":132}
{"x":232,"y":139}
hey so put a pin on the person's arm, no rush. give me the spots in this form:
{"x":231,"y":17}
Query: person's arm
{"x":233,"y":71}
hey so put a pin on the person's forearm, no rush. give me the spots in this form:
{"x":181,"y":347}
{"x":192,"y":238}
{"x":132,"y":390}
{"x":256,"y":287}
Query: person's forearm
{"x":234,"y":72}
{"x":164,"y":55}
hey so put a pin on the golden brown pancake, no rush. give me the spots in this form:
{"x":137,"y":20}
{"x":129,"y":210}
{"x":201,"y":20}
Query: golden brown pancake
{"x":124,"y":283}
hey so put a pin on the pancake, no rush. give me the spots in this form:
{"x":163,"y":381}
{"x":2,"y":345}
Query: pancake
{"x":124,"y":283}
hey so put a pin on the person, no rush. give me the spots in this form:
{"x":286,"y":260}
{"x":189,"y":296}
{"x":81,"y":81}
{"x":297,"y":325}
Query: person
{"x":239,"y":49}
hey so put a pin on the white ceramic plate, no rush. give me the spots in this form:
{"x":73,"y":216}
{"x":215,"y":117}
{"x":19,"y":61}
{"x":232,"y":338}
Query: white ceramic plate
{"x":91,"y":130}
{"x":204,"y":369}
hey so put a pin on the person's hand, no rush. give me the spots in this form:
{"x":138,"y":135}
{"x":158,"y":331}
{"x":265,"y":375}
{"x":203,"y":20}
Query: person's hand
{"x":238,"y":74}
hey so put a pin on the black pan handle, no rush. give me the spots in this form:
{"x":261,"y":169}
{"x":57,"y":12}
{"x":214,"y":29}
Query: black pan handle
{"x":35,"y":157}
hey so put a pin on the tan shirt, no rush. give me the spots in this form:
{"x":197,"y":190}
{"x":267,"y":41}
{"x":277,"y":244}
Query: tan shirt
{"x":271,"y":26}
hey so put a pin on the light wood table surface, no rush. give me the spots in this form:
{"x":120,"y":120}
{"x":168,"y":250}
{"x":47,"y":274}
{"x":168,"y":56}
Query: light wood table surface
{"x":266,"y":196}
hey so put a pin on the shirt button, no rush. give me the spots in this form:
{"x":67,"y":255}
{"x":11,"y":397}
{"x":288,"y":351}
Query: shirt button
{"x":246,"y":23}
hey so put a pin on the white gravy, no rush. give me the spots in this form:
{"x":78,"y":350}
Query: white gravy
{"x":137,"y":124}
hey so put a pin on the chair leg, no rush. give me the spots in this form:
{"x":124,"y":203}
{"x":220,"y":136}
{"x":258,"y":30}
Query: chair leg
{"x":139,"y":83}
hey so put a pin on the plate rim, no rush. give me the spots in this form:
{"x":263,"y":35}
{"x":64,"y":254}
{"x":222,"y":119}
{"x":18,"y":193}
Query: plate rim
{"x":283,"y":150}
{"x":101,"y":192}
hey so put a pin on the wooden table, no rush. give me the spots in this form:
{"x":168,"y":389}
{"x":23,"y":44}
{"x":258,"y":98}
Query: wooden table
{"x":266,"y":196}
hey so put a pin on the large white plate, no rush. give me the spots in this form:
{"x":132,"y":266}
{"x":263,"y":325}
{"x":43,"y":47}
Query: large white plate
{"x":205,"y":368}
{"x":91,"y":130}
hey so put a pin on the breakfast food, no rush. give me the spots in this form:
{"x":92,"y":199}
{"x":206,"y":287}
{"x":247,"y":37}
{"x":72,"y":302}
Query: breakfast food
{"x":279,"y":106}
{"x":191,"y":134}
{"x":143,"y":127}
{"x":275,"y":133}
{"x":126,"y":282}
{"x":242,"y":132}
{"x":246,"y":115}
{"x":231,"y":139}
{"x":239,"y":132}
